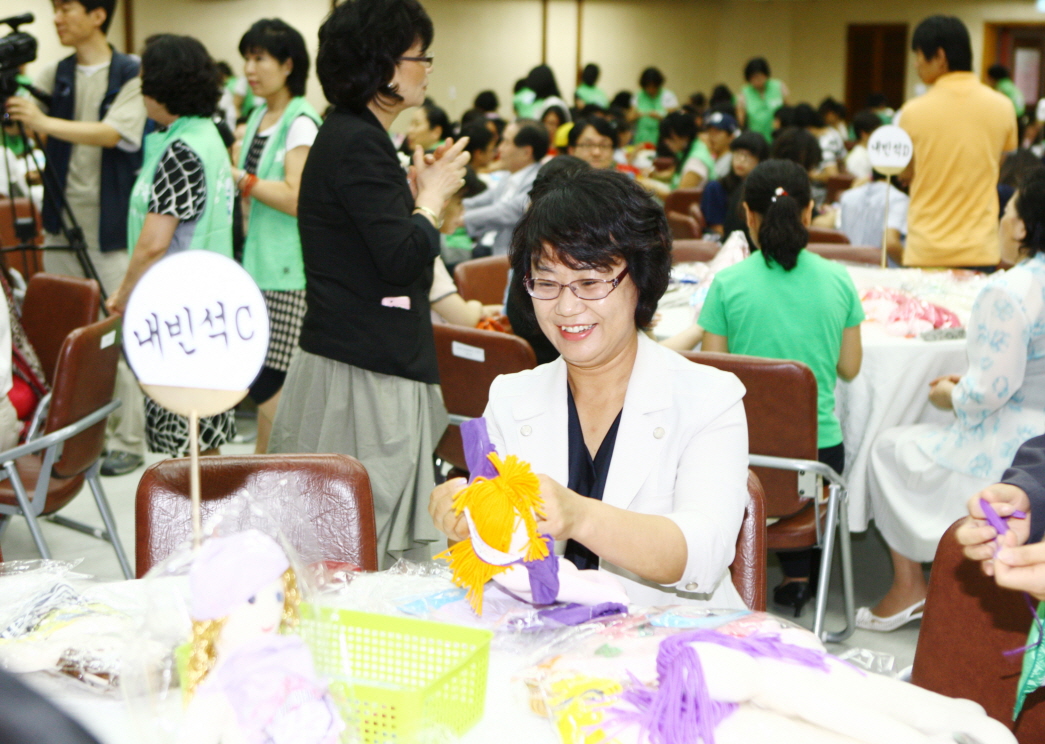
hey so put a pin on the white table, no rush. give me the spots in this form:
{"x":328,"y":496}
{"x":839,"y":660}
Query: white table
{"x":892,"y":388}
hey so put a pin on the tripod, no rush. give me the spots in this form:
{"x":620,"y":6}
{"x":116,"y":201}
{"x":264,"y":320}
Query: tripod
{"x":25,"y":230}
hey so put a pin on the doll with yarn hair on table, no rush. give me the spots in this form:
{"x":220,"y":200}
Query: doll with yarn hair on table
{"x":248,"y":683}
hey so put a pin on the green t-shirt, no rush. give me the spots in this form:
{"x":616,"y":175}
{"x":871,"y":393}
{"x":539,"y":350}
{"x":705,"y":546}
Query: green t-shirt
{"x":800,"y":314}
{"x":1010,"y":90}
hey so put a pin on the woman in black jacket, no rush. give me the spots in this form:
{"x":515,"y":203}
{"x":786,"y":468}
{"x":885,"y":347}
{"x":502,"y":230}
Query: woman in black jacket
{"x":364,"y":381}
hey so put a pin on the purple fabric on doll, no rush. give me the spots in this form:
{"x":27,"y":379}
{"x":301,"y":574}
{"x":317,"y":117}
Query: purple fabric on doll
{"x":272,"y":685}
{"x":477,"y":446}
{"x":575,"y":614}
{"x":544,"y":574}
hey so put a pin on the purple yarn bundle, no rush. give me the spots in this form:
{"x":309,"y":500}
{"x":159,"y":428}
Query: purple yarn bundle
{"x":681,"y":708}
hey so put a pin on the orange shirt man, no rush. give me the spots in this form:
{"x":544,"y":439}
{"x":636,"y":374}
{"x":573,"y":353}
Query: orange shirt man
{"x":960,"y":129}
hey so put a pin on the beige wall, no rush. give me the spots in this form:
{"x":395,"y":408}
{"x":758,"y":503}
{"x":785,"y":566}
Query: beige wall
{"x":483,"y":44}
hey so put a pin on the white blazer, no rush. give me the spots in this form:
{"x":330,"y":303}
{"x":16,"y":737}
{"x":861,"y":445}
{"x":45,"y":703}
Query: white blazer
{"x":681,"y":452}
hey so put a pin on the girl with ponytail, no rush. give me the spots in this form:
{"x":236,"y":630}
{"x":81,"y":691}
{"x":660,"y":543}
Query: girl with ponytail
{"x":784,"y":302}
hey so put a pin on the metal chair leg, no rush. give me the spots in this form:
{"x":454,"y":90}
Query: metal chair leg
{"x":27,"y":510}
{"x":825,"y":564}
{"x":846,"y":547}
{"x":110,"y":524}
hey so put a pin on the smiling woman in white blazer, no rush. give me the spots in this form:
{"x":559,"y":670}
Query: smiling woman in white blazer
{"x":592,"y":258}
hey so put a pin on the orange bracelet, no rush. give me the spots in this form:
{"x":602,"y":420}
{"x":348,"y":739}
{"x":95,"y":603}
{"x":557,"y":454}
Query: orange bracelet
{"x":250,"y":182}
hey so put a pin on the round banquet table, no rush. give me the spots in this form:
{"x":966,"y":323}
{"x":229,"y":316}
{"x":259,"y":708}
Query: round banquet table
{"x":892,"y":388}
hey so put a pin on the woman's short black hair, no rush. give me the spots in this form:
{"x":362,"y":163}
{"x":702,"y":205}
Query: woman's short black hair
{"x":785,"y":115}
{"x":541,"y":81}
{"x":877,"y":100}
{"x":360,"y":44}
{"x":798,"y":146}
{"x":755,"y":66}
{"x":478,"y":134}
{"x":224,"y":69}
{"x":283,"y":42}
{"x":590,"y":74}
{"x":947,"y":33}
{"x":866,"y":122}
{"x":752,"y":142}
{"x":830,"y":106}
{"x":437,"y":118}
{"x":591,"y":219}
{"x":721,"y":95}
{"x":178,"y":72}
{"x":600,"y":125}
{"x":1030,"y":206}
{"x":549,"y":174}
{"x":487,"y":101}
{"x":779,"y":190}
{"x":651,"y":77}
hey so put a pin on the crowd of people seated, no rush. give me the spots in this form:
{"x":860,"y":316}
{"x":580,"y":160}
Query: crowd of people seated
{"x":352,"y":224}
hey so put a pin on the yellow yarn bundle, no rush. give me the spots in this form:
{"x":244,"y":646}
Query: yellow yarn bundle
{"x":498,"y":507}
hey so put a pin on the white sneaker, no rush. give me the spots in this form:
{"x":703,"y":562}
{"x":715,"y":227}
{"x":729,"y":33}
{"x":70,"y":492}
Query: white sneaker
{"x":867,"y":620}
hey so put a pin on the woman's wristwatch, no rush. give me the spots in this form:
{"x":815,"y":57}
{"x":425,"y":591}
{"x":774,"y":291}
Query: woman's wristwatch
{"x":436,"y":219}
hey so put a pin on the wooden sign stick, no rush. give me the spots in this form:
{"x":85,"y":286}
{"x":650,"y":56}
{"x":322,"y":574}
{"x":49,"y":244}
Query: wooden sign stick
{"x":194,"y":477}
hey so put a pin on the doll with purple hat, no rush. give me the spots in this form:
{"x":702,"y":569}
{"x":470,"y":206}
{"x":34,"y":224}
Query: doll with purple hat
{"x":248,"y":682}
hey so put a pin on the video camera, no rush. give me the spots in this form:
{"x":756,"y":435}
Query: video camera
{"x":16,"y":49}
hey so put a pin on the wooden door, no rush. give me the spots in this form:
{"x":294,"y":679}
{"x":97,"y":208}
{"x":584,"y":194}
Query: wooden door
{"x":876,"y":62}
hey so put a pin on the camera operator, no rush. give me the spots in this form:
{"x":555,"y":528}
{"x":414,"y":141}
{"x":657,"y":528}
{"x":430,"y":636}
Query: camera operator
{"x":94,"y":128}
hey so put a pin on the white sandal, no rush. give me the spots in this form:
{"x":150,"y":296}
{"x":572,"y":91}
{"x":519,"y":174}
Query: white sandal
{"x":867,"y":620}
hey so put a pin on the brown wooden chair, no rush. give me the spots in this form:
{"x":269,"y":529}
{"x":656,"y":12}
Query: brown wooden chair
{"x":836,"y":185}
{"x":44,"y":474}
{"x":29,"y":261}
{"x":826,"y":235}
{"x":335,"y":490}
{"x":967,"y":625}
{"x":782,"y":426}
{"x":483,"y":279}
{"x":748,"y":569}
{"x":684,"y":226}
{"x":843,"y":252}
{"x":680,"y":200}
{"x":683,"y":251}
{"x":54,"y":306}
{"x":469,"y":360}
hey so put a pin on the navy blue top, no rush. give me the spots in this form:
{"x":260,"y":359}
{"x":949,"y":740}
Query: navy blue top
{"x":587,"y":475}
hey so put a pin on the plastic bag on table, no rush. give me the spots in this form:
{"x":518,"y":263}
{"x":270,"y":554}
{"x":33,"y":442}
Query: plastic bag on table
{"x":159,"y":651}
{"x":903,"y":314}
{"x":580,"y":679}
{"x":51,"y":625}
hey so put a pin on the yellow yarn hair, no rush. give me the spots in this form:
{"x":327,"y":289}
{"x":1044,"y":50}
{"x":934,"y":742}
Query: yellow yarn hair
{"x":496,"y":504}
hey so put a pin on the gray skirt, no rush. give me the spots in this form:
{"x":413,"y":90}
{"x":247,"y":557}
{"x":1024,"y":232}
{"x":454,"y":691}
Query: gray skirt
{"x":390,"y":424}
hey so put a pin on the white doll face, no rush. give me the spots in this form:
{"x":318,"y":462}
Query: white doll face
{"x":259,"y":615}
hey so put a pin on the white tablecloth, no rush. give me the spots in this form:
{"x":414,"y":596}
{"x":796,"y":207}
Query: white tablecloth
{"x":892,"y":388}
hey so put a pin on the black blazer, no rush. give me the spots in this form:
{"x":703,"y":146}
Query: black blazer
{"x":368,"y":260}
{"x":1028,"y":472}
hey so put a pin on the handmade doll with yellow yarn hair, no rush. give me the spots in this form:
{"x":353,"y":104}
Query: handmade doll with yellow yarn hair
{"x":248,"y":682}
{"x":501,"y":506}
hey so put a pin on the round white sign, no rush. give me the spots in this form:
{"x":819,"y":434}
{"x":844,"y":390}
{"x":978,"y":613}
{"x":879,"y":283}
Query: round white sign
{"x":196,"y":320}
{"x":890,"y":149}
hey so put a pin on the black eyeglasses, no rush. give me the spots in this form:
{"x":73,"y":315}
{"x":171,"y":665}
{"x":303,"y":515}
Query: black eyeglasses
{"x":426,"y":60}
{"x":584,"y":289}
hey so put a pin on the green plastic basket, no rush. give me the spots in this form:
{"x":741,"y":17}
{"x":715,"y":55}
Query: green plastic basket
{"x":397,"y":679}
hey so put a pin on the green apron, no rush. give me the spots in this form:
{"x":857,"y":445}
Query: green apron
{"x":760,"y":107}
{"x":590,"y":94}
{"x":214,"y":228}
{"x":697,"y":150}
{"x":272,"y":251}
{"x":647,"y":129}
